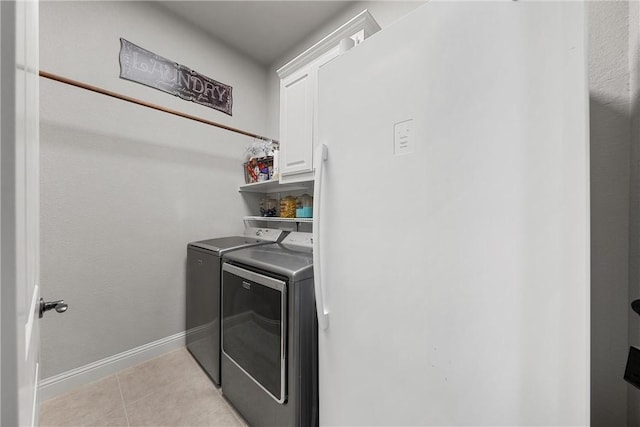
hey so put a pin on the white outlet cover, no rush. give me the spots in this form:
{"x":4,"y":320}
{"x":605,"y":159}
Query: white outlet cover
{"x":403,"y":138}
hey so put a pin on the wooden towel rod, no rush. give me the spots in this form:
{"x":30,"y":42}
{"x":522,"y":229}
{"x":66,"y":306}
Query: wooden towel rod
{"x":96,"y":89}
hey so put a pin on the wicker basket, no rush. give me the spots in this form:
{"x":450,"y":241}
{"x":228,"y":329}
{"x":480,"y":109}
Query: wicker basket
{"x":258,"y":169}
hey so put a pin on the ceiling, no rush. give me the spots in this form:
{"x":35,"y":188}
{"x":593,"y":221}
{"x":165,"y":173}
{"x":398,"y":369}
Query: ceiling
{"x":262,"y":30}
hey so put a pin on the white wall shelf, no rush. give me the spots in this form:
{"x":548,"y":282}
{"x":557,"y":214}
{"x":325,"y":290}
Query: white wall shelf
{"x":278,"y":219}
{"x":274,"y":186}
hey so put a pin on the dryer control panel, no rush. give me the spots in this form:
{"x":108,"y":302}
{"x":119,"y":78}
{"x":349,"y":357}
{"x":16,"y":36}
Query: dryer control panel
{"x":298,"y":238}
{"x":270,"y":234}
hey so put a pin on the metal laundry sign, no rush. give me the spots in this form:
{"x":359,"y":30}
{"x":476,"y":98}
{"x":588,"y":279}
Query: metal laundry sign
{"x":141,"y":66}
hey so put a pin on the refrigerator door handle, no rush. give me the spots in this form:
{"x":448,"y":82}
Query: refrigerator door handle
{"x":323,"y":314}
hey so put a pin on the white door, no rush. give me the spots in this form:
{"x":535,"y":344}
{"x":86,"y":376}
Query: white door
{"x":19,"y":260}
{"x":454,"y":222}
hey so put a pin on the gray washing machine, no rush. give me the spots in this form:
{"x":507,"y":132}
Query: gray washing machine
{"x":204,"y":259}
{"x":269,"y":333}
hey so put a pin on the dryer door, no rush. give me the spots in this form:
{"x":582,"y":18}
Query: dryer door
{"x":254,"y":325}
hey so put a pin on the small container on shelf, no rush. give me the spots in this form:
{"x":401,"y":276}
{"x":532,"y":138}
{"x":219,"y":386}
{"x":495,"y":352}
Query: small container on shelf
{"x":304,"y":206}
{"x":268,"y":207}
{"x":288,"y":207}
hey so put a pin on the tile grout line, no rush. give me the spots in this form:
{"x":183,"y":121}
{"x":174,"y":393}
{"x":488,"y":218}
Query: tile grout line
{"x":226,"y":408}
{"x":124,"y":406}
{"x":218,"y":389}
{"x":149,"y":393}
{"x":145,"y":362}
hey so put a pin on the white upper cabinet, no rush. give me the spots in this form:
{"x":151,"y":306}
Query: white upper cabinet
{"x":296,"y":121}
{"x":298,"y":94}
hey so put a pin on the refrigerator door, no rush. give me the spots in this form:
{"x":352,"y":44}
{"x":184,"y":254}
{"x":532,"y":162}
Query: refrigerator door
{"x":455,"y":220}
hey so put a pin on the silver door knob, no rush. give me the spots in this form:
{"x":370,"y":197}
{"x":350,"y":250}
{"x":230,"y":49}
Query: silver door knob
{"x":59,"y":306}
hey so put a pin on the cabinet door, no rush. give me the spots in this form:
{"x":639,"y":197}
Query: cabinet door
{"x":296,"y":124}
{"x":317,"y":68}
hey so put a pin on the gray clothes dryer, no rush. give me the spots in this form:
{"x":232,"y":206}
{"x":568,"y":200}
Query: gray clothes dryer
{"x":204,"y":259}
{"x":269,"y":333}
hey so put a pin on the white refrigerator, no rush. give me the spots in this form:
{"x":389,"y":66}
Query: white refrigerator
{"x":452,"y":220}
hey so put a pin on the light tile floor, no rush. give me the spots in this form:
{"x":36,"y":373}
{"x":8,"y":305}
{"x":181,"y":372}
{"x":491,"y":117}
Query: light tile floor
{"x":170,"y":390}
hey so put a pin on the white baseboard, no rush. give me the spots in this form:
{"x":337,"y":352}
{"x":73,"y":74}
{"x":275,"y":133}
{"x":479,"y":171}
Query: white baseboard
{"x":67,"y":381}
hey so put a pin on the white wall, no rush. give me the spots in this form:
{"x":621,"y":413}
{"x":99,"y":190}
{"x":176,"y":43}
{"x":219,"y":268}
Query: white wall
{"x":384,"y":12}
{"x":125,"y":188}
{"x":611,"y":183}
